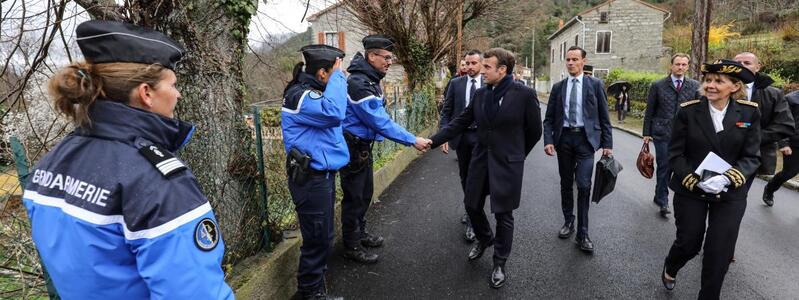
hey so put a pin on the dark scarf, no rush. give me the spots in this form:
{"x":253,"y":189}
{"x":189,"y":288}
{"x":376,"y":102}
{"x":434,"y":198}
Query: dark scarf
{"x":494,"y":93}
{"x":310,"y":81}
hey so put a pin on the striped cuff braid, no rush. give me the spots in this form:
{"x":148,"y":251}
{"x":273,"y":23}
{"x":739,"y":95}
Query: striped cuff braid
{"x":736,"y":178}
{"x":690,"y":181}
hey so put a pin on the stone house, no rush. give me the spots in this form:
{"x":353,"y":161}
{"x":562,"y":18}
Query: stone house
{"x":616,"y":34}
{"x":337,"y":27}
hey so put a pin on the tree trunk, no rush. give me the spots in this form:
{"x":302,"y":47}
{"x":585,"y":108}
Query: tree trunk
{"x":211,"y":82}
{"x":699,"y":37}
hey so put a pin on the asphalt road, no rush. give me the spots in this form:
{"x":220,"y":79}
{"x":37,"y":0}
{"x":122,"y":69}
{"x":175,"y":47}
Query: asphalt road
{"x":424,"y":256}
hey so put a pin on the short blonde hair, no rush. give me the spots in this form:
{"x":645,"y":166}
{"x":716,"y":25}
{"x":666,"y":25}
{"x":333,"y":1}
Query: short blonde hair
{"x":740,"y":94}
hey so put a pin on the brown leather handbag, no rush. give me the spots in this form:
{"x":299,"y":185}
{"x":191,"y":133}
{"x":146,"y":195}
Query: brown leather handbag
{"x":645,"y":162}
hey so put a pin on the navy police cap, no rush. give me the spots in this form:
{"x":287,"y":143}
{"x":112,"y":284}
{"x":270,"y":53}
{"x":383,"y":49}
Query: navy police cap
{"x":320,"y":54}
{"x":378,"y":41}
{"x":112,"y":41}
{"x":731,"y":68}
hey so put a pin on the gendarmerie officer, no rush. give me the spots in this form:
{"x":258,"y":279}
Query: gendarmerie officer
{"x":114,"y":214}
{"x":314,"y":105}
{"x":367,"y":122}
{"x":708,"y":208}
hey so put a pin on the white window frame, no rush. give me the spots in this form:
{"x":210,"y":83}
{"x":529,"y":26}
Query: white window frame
{"x":336,"y":33}
{"x":610,"y":42}
{"x":565,"y":47}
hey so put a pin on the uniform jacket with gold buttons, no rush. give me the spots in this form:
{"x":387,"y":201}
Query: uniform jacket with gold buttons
{"x":693,"y":137}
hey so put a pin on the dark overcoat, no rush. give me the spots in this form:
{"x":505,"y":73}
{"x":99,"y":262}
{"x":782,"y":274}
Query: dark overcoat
{"x":497,"y":164}
{"x":694,"y":136}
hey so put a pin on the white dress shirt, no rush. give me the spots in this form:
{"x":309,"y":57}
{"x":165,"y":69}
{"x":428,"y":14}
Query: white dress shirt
{"x":718,"y":116}
{"x":749,"y":87}
{"x":478,"y":82}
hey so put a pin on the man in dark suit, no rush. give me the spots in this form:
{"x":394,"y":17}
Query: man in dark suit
{"x":665,"y":96}
{"x":459,"y":93}
{"x":776,"y":121}
{"x":508,"y":126}
{"x":577,"y":125}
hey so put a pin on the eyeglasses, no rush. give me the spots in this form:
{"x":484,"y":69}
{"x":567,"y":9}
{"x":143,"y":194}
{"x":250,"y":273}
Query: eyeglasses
{"x":389,"y":57}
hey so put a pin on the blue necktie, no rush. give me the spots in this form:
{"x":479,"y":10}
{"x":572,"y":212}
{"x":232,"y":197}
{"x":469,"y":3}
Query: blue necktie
{"x":573,"y":104}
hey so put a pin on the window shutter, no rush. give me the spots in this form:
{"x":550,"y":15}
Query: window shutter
{"x":341,"y":44}
{"x":321,"y":37}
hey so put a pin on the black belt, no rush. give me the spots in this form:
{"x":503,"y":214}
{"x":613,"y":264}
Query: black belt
{"x":573,"y":129}
{"x":321,"y":173}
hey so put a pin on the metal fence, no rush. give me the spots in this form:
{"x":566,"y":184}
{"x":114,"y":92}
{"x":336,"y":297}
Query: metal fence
{"x":21,"y":275}
{"x":415,"y":112}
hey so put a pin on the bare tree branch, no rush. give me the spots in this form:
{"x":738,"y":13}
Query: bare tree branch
{"x":103,"y":9}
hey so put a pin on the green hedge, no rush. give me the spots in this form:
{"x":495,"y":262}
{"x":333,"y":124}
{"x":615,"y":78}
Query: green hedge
{"x":640,"y":82}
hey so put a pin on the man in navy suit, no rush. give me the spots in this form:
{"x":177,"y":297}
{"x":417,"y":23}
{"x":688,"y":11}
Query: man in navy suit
{"x":508,"y":122}
{"x":459,"y":93}
{"x":576,"y":125}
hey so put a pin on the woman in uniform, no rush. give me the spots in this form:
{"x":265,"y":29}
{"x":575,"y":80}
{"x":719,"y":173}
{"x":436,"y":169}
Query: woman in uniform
{"x":708,"y":207}
{"x":114,"y":214}
{"x":314,"y":105}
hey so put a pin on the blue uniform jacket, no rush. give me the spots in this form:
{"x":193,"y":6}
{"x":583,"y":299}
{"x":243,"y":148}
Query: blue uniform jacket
{"x":366,"y":116}
{"x":109,"y":224}
{"x":311,"y":120}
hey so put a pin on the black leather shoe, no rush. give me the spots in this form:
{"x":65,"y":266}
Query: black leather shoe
{"x":371,"y":241}
{"x":667,"y":283}
{"x":585,"y":244}
{"x":478,"y":249}
{"x":768,"y":198}
{"x":566,"y":231}
{"x":361,"y":256}
{"x":469,"y":235}
{"x":497,"y":276}
{"x":664,"y":211}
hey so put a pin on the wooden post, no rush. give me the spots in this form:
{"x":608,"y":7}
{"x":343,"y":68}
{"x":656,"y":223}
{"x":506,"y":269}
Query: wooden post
{"x":699,"y":38}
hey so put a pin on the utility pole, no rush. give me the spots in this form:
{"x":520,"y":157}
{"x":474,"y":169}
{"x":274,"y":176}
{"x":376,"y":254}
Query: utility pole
{"x":702,"y":9}
{"x":532,"y":57}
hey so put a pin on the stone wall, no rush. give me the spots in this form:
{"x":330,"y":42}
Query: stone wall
{"x":636,"y":38}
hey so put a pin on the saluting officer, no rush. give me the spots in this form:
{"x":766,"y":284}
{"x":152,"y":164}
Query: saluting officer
{"x":114,"y":214}
{"x":315,"y":102}
{"x":367,"y":122}
{"x":724,"y":123}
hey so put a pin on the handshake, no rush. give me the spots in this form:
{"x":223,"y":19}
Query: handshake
{"x":422,"y":144}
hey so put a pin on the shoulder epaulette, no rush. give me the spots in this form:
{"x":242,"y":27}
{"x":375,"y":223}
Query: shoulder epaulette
{"x":745,"y":102}
{"x":166,"y":163}
{"x":690,"y":102}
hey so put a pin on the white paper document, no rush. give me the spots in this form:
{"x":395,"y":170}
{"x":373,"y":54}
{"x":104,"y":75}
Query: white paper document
{"x":714,"y":163}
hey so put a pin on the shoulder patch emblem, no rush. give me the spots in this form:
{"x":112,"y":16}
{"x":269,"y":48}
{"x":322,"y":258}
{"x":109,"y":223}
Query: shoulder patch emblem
{"x":206,"y":235}
{"x":373,"y":104}
{"x":165,"y":162}
{"x":690,"y":102}
{"x":745,"y":102}
{"x":315,"y":94}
